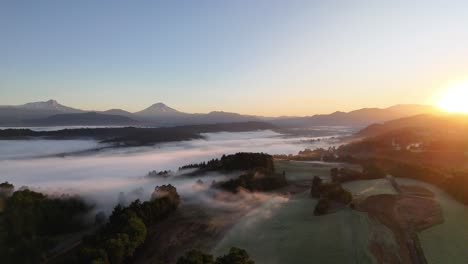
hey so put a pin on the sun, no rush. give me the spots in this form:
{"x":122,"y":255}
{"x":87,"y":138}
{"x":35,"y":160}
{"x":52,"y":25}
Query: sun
{"x":454,"y":98}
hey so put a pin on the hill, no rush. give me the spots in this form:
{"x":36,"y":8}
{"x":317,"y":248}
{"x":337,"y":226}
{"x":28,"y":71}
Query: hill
{"x":430,"y":148}
{"x":158,"y":109}
{"x":50,"y":105}
{"x":428,"y":122}
{"x":116,"y":112}
{"x":14,"y":115}
{"x":360,"y":117}
{"x":430,"y":140}
{"x":82,"y":119}
{"x":52,"y":113}
{"x":159,"y":115}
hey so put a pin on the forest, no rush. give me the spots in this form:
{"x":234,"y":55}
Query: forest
{"x":33,"y":222}
{"x":241,"y":161}
{"x":127,"y":227}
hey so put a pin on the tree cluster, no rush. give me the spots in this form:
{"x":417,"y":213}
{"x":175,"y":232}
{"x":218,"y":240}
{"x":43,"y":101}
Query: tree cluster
{"x":327,"y":192}
{"x":6,"y":189}
{"x":369,"y":171}
{"x":242,"y":161}
{"x":254,"y":181}
{"x":164,"y":173}
{"x":235,"y":256}
{"x":31,"y":221}
{"x":127,"y":228}
{"x":455,"y":182}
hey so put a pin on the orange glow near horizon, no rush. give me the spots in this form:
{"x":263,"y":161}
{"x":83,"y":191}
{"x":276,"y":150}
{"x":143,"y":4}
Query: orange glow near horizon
{"x":454,"y":98}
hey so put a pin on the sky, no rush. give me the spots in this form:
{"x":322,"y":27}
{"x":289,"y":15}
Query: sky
{"x":253,"y":57}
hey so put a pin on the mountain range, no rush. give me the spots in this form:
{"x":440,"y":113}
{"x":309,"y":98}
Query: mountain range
{"x":360,"y":117}
{"x":52,"y":113}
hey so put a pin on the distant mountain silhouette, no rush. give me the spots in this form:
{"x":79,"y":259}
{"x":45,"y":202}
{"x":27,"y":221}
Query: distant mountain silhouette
{"x":445,"y":122}
{"x":160,"y":114}
{"x":163,"y":115}
{"x":157,"y":110}
{"x":83,"y":119}
{"x":220,"y":116}
{"x":50,"y":105}
{"x":15,"y":115}
{"x":361,"y":117}
{"x":51,"y":113}
{"x":116,"y":112}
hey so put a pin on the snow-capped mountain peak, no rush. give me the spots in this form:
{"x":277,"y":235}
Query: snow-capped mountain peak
{"x":158,"y":109}
{"x":51,"y":105}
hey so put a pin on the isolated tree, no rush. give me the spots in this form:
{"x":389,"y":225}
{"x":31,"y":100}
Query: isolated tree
{"x":6,"y":189}
{"x":322,"y":207}
{"x":334,"y":174}
{"x":372,"y":171}
{"x":316,"y":187}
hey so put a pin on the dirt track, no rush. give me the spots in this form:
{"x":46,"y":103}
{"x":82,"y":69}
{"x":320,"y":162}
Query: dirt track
{"x":411,"y":210}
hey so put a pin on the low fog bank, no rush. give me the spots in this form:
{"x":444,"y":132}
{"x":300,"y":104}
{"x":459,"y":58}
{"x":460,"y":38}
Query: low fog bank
{"x":120,"y":174}
{"x":54,"y":128}
{"x":15,"y":149}
{"x":218,"y":143}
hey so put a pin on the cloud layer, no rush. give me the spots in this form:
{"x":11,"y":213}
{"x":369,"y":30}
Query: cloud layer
{"x":103,"y":176}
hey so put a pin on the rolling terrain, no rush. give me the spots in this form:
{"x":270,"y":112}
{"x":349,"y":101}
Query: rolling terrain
{"x":52,"y":113}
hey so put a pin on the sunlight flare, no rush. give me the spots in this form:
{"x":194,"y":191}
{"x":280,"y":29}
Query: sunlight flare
{"x":455,"y":98}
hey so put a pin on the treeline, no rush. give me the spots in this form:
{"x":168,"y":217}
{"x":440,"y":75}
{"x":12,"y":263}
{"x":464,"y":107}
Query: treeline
{"x":426,"y":148}
{"x":328,"y":192}
{"x":432,"y":151}
{"x":438,"y":147}
{"x":241,"y":161}
{"x":254,"y":181}
{"x":259,"y":171}
{"x":164,"y":173}
{"x":127,"y":228}
{"x":30,"y":223}
{"x":369,"y":171}
{"x":454,"y":182}
{"x":132,"y":136}
{"x":33,"y":224}
{"x":235,"y":256}
{"x":318,"y":154}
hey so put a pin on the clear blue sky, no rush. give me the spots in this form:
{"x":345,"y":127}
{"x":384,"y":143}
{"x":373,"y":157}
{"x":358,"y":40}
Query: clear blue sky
{"x":255,"y":57}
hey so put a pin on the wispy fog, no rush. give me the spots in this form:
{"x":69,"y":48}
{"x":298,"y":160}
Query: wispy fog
{"x":103,"y":176}
{"x":11,"y":149}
